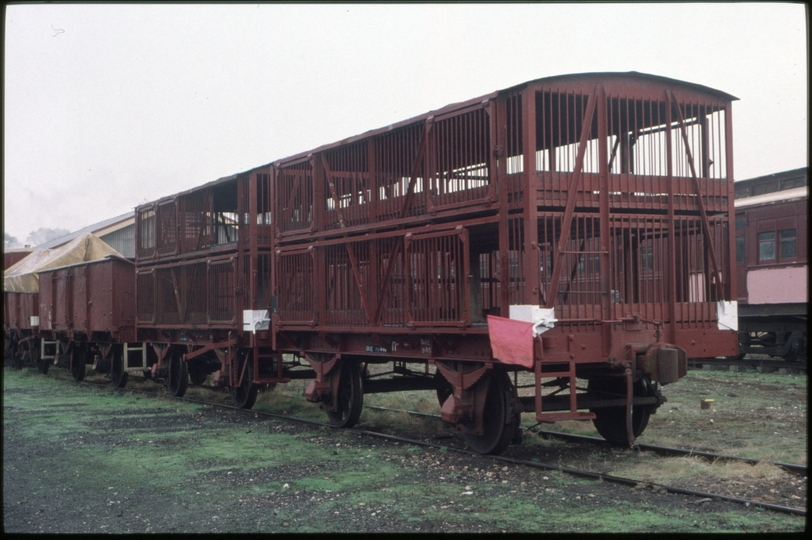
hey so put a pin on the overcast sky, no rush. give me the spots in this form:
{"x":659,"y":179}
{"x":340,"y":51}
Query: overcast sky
{"x":107,"y":107}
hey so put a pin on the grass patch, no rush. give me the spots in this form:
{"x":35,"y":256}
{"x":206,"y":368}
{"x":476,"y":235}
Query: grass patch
{"x":156,"y":462}
{"x":753,"y":415}
{"x":288,"y":399}
{"x":669,"y":469}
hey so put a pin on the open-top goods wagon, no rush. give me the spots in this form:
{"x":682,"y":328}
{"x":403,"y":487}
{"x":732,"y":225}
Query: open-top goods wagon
{"x":88,"y":317}
{"x":22,"y":322}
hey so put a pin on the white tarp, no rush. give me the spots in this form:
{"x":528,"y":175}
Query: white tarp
{"x":23,"y":277}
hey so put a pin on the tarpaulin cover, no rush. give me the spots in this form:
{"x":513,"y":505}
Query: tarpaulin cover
{"x":511,"y":340}
{"x":23,"y":277}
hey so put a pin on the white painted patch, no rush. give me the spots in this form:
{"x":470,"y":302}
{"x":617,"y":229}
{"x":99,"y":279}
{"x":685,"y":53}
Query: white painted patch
{"x":253,"y":320}
{"x":542,"y":318}
{"x":728,"y":315}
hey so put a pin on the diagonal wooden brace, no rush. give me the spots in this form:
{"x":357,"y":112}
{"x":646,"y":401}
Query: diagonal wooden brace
{"x":575,"y":181}
{"x":717,"y":274}
{"x":416,"y":164}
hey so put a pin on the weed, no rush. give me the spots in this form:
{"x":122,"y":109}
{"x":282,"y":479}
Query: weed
{"x":168,"y":458}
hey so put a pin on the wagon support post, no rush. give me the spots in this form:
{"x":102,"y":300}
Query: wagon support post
{"x":483,"y":406}
{"x":321,"y":389}
{"x":338,"y":389}
{"x":462,"y":408}
{"x":627,"y":375}
{"x":224,"y":359}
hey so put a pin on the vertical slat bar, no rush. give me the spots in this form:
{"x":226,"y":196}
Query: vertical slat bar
{"x":499,"y":133}
{"x":672,"y":256}
{"x":606,"y":270}
{"x":530,"y":242}
{"x":729,"y":177}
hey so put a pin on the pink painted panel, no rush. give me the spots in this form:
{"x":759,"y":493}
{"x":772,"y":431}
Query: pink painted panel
{"x":777,"y":285}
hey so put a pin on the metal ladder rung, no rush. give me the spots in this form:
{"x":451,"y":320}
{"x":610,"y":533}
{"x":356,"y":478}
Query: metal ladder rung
{"x":552,"y":416}
{"x":555,"y":374}
{"x":127,"y":349}
{"x":43,"y":343}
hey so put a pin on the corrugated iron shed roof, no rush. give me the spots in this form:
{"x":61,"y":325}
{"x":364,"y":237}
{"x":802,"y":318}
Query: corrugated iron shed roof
{"x":99,"y":229}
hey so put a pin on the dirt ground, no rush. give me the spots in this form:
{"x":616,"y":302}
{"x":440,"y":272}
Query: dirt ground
{"x":80,"y":460}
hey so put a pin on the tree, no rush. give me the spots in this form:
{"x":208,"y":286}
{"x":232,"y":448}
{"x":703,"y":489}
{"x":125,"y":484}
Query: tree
{"x":10,"y":242}
{"x":43,"y":234}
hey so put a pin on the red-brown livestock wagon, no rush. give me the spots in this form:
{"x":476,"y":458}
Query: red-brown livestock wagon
{"x":203,"y":256}
{"x":572,"y":227}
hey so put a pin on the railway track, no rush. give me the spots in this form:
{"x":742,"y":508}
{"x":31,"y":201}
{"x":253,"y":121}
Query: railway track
{"x":800,"y":470}
{"x":771,"y":365}
{"x":629,"y":482}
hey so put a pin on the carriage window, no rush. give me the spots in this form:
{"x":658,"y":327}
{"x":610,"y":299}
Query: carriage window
{"x":787,"y":245}
{"x":740,"y":249}
{"x":766,"y":246}
{"x":740,"y":223}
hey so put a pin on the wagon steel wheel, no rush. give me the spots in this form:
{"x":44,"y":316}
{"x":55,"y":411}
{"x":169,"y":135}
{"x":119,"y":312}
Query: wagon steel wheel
{"x":197,"y":375}
{"x":77,"y":365}
{"x":43,"y":366}
{"x":245,"y":395}
{"x":518,"y":435}
{"x":178,"y":379}
{"x":611,"y":421}
{"x":498,"y":432}
{"x":350,"y":396}
{"x":118,"y":377}
{"x":31,"y":355}
{"x":17,"y":357}
{"x":9,"y":348}
{"x":24,"y":357}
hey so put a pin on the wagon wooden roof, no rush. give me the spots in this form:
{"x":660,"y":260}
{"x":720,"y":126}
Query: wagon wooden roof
{"x":627,"y":78}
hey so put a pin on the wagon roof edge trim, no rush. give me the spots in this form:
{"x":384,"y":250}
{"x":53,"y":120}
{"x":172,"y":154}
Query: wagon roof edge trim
{"x":300,"y":156}
{"x":487,"y":97}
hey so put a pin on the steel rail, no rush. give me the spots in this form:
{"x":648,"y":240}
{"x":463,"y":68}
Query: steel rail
{"x":660,"y":450}
{"x":666,"y":450}
{"x":790,"y":365}
{"x":545,"y":466}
